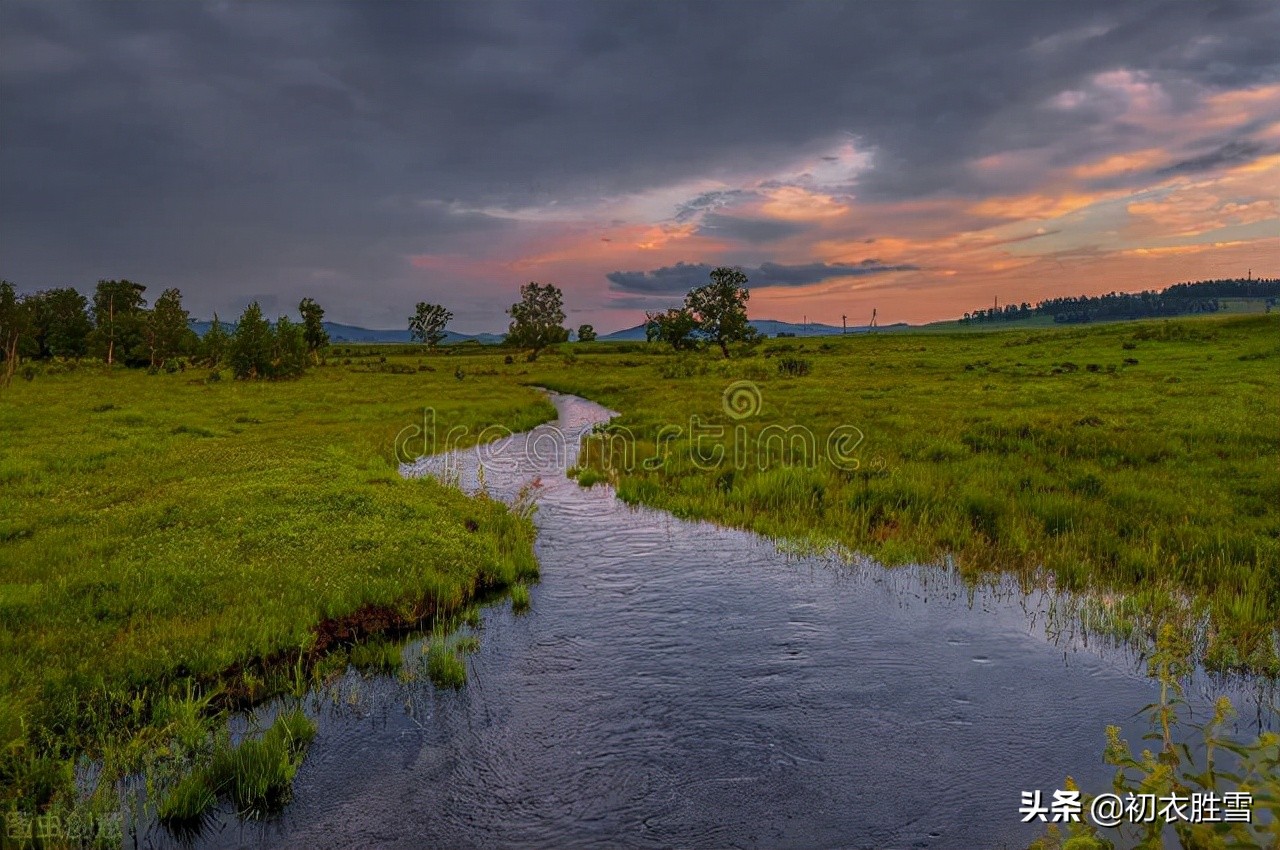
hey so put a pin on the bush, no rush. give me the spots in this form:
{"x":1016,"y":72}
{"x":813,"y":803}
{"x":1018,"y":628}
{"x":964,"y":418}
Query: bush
{"x":793,"y":367}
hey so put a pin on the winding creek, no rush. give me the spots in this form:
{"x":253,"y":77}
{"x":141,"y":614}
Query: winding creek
{"x":677,"y":684}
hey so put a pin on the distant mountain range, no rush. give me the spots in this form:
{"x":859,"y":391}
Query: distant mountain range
{"x":768,"y":327}
{"x":352,"y":333}
{"x":339,"y":333}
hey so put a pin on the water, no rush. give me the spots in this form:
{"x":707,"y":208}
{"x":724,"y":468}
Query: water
{"x":679,"y":684}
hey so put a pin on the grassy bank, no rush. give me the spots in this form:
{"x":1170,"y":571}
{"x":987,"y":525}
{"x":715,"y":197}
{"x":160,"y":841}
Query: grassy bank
{"x":168,"y":535}
{"x":1136,"y":457}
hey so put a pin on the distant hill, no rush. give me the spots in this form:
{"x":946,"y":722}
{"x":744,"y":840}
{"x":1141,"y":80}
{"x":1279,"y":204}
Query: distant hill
{"x":339,"y":333}
{"x":768,"y":327}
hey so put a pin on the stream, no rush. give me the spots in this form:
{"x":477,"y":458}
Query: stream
{"x":678,"y":684}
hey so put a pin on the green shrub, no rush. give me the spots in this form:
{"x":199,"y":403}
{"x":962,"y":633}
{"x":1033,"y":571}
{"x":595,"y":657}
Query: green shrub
{"x":794,"y":367}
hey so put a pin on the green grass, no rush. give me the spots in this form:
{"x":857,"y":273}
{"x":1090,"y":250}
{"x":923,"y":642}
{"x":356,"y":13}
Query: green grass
{"x":257,"y":774}
{"x":172,"y":547}
{"x":1136,"y":457}
{"x":159,"y":532}
{"x":378,"y":655}
{"x":445,"y":666}
{"x":519,"y":598}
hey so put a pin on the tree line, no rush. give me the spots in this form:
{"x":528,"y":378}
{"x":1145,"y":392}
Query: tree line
{"x":537,"y":321}
{"x":715,"y":313}
{"x":117,"y":327}
{"x":1176,"y":300}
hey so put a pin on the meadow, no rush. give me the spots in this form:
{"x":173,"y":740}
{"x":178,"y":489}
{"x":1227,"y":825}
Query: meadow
{"x":173,"y":545}
{"x":1132,"y":461}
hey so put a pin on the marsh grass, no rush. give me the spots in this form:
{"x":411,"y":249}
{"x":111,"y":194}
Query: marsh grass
{"x":445,"y":665}
{"x":257,"y":774}
{"x":162,"y":534}
{"x":1183,"y":757}
{"x":172,"y":548}
{"x":377,"y":655}
{"x":519,"y":598}
{"x":1133,"y":457}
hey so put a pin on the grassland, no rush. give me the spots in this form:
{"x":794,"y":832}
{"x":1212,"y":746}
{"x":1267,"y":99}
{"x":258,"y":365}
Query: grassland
{"x":164,"y":536}
{"x":171,"y":545}
{"x":1137,"y":457}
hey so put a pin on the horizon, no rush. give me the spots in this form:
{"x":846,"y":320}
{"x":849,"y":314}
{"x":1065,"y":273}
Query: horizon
{"x":880,"y":321}
{"x":372,"y":156}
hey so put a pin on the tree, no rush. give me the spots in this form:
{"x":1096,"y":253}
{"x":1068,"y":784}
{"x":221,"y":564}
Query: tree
{"x":289,"y":351}
{"x":61,"y":322}
{"x":15,"y":323}
{"x":428,"y":322}
{"x":215,"y":342}
{"x":677,"y":327}
{"x":167,"y":326}
{"x":252,"y":345}
{"x":117,"y":316}
{"x":720,"y":308}
{"x":586,"y":333}
{"x":313,"y":331}
{"x":537,"y":319}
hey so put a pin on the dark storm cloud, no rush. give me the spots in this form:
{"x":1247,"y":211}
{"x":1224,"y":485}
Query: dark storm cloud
{"x":656,"y":301}
{"x":233,"y":148}
{"x":682,"y":277}
{"x":1232,"y":153}
{"x":752,"y":230}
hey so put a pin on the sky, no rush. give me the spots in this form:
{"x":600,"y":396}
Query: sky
{"x":919,"y":159}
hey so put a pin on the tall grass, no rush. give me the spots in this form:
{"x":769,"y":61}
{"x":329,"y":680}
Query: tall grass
{"x":256,"y":775}
{"x":163,"y":533}
{"x":1135,"y":457}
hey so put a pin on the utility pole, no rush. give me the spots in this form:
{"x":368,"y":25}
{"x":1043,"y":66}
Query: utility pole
{"x":844,"y":324}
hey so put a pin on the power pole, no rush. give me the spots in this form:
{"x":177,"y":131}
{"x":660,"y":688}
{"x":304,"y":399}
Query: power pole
{"x":844,"y":324}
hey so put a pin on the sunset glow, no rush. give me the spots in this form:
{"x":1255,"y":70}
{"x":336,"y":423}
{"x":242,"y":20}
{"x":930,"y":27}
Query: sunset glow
{"x":1087,"y":174}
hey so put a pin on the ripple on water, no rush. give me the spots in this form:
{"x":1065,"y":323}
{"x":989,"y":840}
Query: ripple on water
{"x":679,"y":684}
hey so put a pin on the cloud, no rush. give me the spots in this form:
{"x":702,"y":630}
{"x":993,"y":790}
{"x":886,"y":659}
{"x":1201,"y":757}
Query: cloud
{"x":237,"y":148}
{"x":752,"y":230}
{"x":708,"y":202}
{"x":682,"y":277}
{"x":1238,"y":152}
